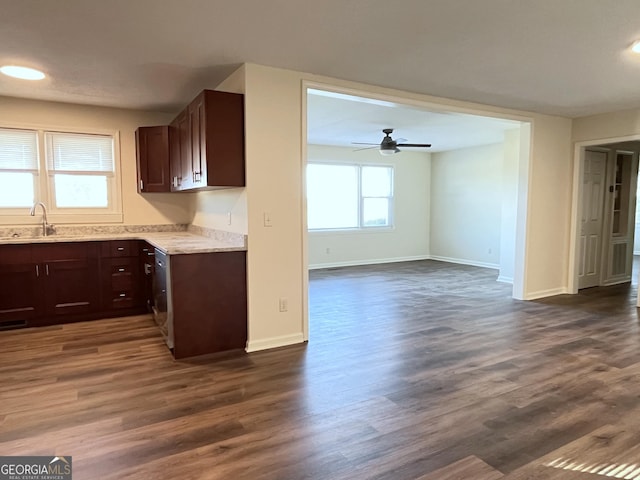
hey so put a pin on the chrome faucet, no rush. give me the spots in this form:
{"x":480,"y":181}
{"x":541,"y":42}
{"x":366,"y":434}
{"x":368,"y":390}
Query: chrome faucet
{"x":46,"y":228}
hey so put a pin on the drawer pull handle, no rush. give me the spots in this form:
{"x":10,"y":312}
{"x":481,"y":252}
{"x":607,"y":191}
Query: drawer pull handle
{"x":121,"y":269}
{"x":120,"y":249}
{"x":123,"y":294}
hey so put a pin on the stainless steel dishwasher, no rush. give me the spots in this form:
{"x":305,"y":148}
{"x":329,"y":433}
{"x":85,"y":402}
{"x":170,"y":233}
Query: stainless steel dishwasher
{"x":162,"y":311}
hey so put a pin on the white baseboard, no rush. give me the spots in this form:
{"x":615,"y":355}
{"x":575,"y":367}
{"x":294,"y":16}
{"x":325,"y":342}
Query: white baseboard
{"x":373,"y":261}
{"x":463,"y":261}
{"x":274,"y":342}
{"x":504,"y":279}
{"x":545,"y":293}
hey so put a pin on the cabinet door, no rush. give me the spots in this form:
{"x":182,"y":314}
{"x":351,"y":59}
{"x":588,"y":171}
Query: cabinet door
{"x":224,"y":143}
{"x":20,"y":285}
{"x":186,"y":169}
{"x":146,"y":271}
{"x":152,"y":155}
{"x":71,"y":286}
{"x":180,"y":152}
{"x":71,"y":279}
{"x":198,"y":141}
{"x":174,"y":156}
{"x":20,"y":293}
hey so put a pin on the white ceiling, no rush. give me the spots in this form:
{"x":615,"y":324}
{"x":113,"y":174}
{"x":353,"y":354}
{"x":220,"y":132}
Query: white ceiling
{"x":565,"y":57}
{"x":336,"y":119}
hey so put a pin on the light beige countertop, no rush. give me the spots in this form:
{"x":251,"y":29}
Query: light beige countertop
{"x":196,"y":240}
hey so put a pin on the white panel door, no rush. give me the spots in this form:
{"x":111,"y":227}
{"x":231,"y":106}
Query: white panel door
{"x":593,"y":191}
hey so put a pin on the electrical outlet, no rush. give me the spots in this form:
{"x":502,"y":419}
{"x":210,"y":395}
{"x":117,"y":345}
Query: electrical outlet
{"x":283,"y":304}
{"x":229,"y":218}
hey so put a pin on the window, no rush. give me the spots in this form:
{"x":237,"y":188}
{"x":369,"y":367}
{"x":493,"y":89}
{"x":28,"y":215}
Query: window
{"x":74,"y":174}
{"x":80,"y":167}
{"x":18,"y":167}
{"x":341,"y":196}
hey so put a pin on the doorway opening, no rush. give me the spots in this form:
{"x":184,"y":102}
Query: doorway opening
{"x":606,"y":182}
{"x":512,"y":195}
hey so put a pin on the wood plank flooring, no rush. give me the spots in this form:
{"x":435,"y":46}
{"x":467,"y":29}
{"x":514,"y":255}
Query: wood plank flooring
{"x":418,"y":370}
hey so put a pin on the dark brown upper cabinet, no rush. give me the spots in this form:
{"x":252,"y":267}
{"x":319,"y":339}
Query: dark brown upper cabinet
{"x":202,"y":149}
{"x":207,"y":143}
{"x":152,"y":156}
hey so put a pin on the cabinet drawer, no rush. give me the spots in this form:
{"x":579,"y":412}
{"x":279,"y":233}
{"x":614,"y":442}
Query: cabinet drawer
{"x":120,"y":266}
{"x":122,"y":281}
{"x":123,"y":300}
{"x":120,"y":248}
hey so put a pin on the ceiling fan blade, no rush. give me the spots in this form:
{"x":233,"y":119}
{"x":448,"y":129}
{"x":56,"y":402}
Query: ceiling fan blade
{"x":365,"y":143}
{"x":400,"y":140}
{"x":426,"y":145}
{"x":366,"y":148}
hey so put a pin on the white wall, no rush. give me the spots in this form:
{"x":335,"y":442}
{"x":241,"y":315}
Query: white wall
{"x":466,"y":205}
{"x":274,"y":133}
{"x":408,"y":240}
{"x":604,"y":128}
{"x":607,"y":126}
{"x":548,"y":199}
{"x":146,"y":209}
{"x":276,"y":257}
{"x":224,"y":209}
{"x":510,"y":172}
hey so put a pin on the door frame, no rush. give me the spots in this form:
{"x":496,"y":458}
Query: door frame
{"x":604,"y":218}
{"x":576,"y":204}
{"x":527,"y":130}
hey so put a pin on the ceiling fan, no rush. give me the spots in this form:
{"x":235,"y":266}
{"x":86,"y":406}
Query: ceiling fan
{"x":389,"y":146}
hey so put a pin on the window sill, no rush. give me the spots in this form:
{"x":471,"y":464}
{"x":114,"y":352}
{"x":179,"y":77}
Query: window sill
{"x":54,"y":218}
{"x":352,"y":231}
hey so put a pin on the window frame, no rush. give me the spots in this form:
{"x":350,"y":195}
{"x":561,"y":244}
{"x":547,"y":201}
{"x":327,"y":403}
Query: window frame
{"x":360,"y":228}
{"x":34,"y":172}
{"x":44,"y":184}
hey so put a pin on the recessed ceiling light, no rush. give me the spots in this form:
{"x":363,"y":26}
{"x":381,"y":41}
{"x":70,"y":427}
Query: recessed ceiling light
{"x":635,"y":48}
{"x":24,"y":73}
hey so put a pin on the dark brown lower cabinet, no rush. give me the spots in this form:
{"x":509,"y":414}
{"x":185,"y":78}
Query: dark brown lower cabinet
{"x":68,"y":281}
{"x":121,"y":278}
{"x":209,"y":300}
{"x":20,"y":287}
{"x":70,"y":287}
{"x":52,"y":283}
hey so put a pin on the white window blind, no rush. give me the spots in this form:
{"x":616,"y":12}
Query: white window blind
{"x":18,"y":150}
{"x":79,"y":153}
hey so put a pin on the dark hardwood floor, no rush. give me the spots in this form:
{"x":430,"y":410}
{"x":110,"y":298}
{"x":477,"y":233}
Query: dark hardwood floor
{"x":420,"y":370}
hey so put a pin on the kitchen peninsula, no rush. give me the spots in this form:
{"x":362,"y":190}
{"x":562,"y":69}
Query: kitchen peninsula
{"x":89,"y":273}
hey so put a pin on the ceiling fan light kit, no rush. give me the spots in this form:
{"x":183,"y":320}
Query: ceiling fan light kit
{"x":389,"y":151}
{"x":389,"y":146}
